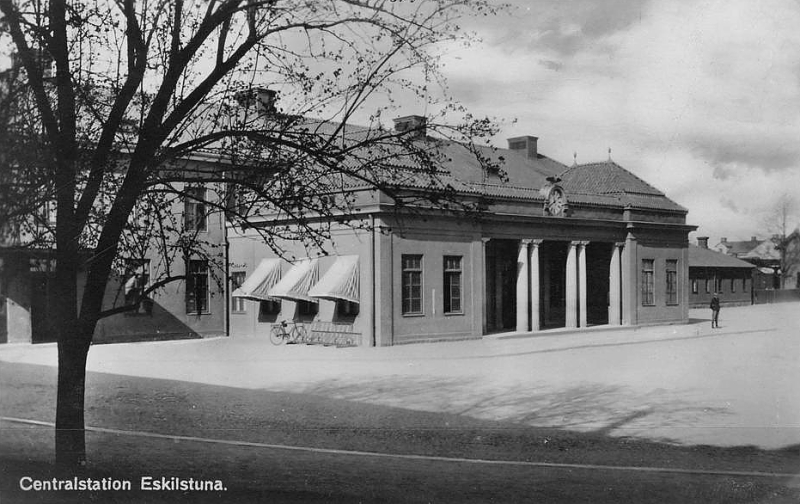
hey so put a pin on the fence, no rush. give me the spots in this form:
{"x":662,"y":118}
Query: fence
{"x":766,"y":296}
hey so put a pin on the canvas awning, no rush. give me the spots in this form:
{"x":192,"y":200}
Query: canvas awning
{"x":341,"y":281}
{"x":297,"y":281}
{"x":258,"y":284}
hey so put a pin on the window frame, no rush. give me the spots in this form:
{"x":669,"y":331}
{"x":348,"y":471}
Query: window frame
{"x":448,"y":275}
{"x":193,"y":205}
{"x":237,"y":304}
{"x":648,"y":287}
{"x":695,"y":286}
{"x":671,"y":287}
{"x":192,"y":290}
{"x":407,"y":274}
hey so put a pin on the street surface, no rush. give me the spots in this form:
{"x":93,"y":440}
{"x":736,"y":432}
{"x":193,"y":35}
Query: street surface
{"x":673,"y":397}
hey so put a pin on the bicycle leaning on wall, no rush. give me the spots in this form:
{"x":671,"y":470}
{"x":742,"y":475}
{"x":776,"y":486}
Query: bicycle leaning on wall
{"x":288,"y":332}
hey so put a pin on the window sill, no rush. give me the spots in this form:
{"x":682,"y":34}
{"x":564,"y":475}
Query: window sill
{"x":454,"y":314}
{"x":413,"y":315}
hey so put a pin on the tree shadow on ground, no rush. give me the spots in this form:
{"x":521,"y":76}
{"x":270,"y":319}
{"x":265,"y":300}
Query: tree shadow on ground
{"x":354,"y":421}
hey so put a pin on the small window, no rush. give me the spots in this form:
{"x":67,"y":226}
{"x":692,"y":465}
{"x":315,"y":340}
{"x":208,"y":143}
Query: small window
{"x":307,"y":309}
{"x":197,"y":292}
{"x":452,"y":284}
{"x":695,"y":287}
{"x":648,"y":285}
{"x":346,"y":309}
{"x":411,"y":284}
{"x":268,"y":310}
{"x":195,"y":217}
{"x":237,"y":303}
{"x":672,"y":282}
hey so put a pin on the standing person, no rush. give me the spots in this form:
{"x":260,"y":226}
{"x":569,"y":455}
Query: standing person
{"x":715,"y":311}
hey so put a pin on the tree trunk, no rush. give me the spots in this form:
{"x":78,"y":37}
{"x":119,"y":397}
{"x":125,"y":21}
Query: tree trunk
{"x":70,"y":426}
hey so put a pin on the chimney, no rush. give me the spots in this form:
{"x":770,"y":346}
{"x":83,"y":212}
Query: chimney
{"x":414,"y":124}
{"x":723,"y":240}
{"x":262,"y":99}
{"x":526,"y":145}
{"x":753,"y":239}
{"x":702,"y":242}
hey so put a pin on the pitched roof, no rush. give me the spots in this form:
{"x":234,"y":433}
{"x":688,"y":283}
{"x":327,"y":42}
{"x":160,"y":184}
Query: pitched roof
{"x":610,"y":179}
{"x":739,"y":248}
{"x":707,"y":258}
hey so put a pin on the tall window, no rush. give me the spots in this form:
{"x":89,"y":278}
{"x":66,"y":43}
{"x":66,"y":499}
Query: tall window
{"x":237,"y":303}
{"x":744,"y":283}
{"x":672,"y":281}
{"x":412,"y":284}
{"x":137,"y":278}
{"x":648,"y":285}
{"x":708,"y":286}
{"x":197,"y":293}
{"x":695,"y":287}
{"x":194,"y":212}
{"x":733,"y":285}
{"x":452,"y":284}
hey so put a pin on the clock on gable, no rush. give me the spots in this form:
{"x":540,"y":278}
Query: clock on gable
{"x":555,"y":202}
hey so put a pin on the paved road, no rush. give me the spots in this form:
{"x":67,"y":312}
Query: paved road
{"x":737,"y":385}
{"x":563,"y":398}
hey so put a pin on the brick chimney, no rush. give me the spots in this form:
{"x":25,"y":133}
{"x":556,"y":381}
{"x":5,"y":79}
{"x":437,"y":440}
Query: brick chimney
{"x":525,"y":145}
{"x":262,"y":99}
{"x":723,"y":240}
{"x":413,"y":124}
{"x":702,"y":242}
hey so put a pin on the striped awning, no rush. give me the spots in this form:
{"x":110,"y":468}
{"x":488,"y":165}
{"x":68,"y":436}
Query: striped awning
{"x":341,"y":281}
{"x":258,"y":284}
{"x":296,"y":283}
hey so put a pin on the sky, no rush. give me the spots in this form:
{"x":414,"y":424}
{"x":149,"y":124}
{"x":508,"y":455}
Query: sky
{"x":700,"y":98}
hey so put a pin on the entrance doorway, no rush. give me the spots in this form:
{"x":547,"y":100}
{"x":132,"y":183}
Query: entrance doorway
{"x":501,"y":281}
{"x":553,"y":274}
{"x":598,"y":269}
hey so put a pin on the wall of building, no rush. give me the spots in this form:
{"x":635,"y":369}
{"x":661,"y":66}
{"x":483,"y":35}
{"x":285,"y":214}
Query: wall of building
{"x":248,"y":248}
{"x":734,"y":285}
{"x":660,"y":249}
{"x":433,"y":244}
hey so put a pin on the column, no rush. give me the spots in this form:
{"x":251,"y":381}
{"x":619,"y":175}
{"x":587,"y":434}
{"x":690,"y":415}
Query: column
{"x":629,"y":281}
{"x":615,"y":284}
{"x":571,"y":290}
{"x":485,"y":293}
{"x":535,"y":285}
{"x":582,"y":282}
{"x":523,"y":270}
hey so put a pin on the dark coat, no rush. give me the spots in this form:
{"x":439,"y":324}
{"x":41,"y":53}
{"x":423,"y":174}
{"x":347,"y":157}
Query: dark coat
{"x":715,"y":303}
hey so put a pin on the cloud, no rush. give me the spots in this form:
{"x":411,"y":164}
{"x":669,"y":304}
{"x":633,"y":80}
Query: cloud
{"x":702,"y":99}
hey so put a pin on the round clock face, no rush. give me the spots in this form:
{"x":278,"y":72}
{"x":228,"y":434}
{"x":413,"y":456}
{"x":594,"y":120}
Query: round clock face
{"x":555,"y":202}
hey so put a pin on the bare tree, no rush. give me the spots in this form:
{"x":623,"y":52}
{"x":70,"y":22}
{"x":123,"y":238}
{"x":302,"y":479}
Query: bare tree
{"x":115,"y":108}
{"x":780,"y":221}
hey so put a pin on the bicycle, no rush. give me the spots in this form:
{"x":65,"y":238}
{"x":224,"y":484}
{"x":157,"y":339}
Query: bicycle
{"x":282,"y":333}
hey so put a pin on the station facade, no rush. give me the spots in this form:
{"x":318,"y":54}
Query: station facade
{"x":555,"y":246}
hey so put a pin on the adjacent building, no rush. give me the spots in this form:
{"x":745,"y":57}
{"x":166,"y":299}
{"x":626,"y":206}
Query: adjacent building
{"x":713,"y":272}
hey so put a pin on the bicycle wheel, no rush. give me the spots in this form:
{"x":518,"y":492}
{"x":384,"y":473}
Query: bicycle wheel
{"x":277,"y":335}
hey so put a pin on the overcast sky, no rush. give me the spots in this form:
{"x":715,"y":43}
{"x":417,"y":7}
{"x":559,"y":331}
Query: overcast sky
{"x":700,"y":98}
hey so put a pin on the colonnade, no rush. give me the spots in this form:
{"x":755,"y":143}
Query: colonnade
{"x":528,"y":285}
